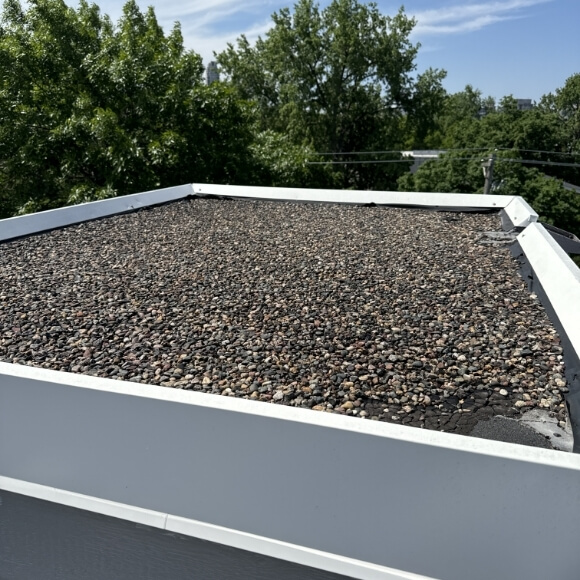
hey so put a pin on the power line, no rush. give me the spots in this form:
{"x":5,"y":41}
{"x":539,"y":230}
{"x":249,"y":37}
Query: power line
{"x":443,"y":151}
{"x":384,"y":161}
{"x":539,"y":151}
{"x":499,"y":159}
{"x":531,"y":162}
{"x":401,"y":151}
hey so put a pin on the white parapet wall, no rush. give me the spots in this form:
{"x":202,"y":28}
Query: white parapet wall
{"x":415,"y":199}
{"x":362,"y":498}
{"x":518,"y":210}
{"x":559,"y":276}
{"x":25,"y":225}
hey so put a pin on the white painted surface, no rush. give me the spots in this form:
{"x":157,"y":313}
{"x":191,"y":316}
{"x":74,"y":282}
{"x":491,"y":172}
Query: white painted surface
{"x":292,"y":414}
{"x":440,"y":200}
{"x":559,"y":276}
{"x":64,"y":216}
{"x":394,"y":497}
{"x":292,"y":553}
{"x":85,"y":502}
{"x":520,"y":212}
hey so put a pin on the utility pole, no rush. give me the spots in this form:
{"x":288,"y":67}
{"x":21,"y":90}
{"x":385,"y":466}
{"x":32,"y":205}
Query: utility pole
{"x":488,"y":173}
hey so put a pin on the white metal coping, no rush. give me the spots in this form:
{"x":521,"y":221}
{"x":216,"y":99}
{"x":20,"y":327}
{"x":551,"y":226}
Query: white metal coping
{"x":466,"y":490}
{"x":359,"y":197}
{"x":218,"y":534}
{"x":518,"y":210}
{"x":520,"y":213}
{"x":484,"y":447}
{"x":28,"y":224}
{"x":558,"y":275}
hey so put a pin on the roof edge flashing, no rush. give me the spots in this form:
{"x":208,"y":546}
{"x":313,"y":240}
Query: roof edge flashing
{"x":209,"y":532}
{"x":452,"y":201}
{"x":25,"y":225}
{"x":558,"y":274}
{"x":520,"y":213}
{"x":27,"y":376}
{"x":555,"y":278}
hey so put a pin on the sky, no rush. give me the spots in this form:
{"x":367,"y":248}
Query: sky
{"x":524,"y":48}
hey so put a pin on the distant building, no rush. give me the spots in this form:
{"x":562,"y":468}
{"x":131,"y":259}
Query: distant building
{"x":212,"y":74}
{"x":525,"y":104}
{"x":421,"y":156}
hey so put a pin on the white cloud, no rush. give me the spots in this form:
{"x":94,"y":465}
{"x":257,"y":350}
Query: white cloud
{"x":208,"y":25}
{"x":205,"y":42}
{"x":469,"y":17}
{"x":204,"y":22}
{"x":210,"y":10}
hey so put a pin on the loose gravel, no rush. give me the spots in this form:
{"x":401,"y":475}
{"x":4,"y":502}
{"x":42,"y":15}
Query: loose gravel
{"x":389,"y":314}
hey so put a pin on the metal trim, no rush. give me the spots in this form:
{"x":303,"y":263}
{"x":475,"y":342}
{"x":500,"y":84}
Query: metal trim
{"x":390,"y":198}
{"x":211,"y":533}
{"x":25,"y":225}
{"x":554,"y":277}
{"x":520,"y":212}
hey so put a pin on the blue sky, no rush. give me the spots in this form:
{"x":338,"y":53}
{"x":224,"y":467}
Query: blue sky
{"x":522,"y":47}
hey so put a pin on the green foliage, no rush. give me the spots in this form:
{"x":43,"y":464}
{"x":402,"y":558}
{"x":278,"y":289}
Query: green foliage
{"x":91,"y":110}
{"x":452,"y":173}
{"x":566,"y":104}
{"x":338,"y":78}
{"x":544,"y":134}
{"x":280,"y":163}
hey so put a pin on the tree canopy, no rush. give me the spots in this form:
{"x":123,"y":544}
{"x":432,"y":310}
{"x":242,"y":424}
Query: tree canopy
{"x":339,"y":79}
{"x":535,"y":150}
{"x":89,"y":109}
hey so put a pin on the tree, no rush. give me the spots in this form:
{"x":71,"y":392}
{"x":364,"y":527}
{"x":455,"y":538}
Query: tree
{"x":564,"y":108}
{"x":91,"y":110}
{"x":278,"y":162}
{"x":453,"y":116}
{"x":529,"y":147}
{"x":339,"y":79}
{"x":566,"y":103}
{"x":422,"y":123}
{"x":451,"y":173}
{"x":454,"y":173}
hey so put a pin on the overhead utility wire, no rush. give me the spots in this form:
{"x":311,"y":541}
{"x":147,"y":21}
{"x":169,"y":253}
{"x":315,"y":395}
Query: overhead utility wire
{"x":447,"y":150}
{"x":381,"y":161}
{"x":531,"y":162}
{"x":401,"y":151}
{"x":499,"y":159}
{"x":539,"y":151}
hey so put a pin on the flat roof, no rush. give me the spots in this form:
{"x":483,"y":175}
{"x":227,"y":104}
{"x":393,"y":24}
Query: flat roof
{"x":399,"y":315}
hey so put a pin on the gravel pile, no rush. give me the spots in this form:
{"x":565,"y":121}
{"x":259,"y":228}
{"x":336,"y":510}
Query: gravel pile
{"x":390,"y":314}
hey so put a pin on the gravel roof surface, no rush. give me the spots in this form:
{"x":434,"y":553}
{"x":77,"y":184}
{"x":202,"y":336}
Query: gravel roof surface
{"x":391,"y":314}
